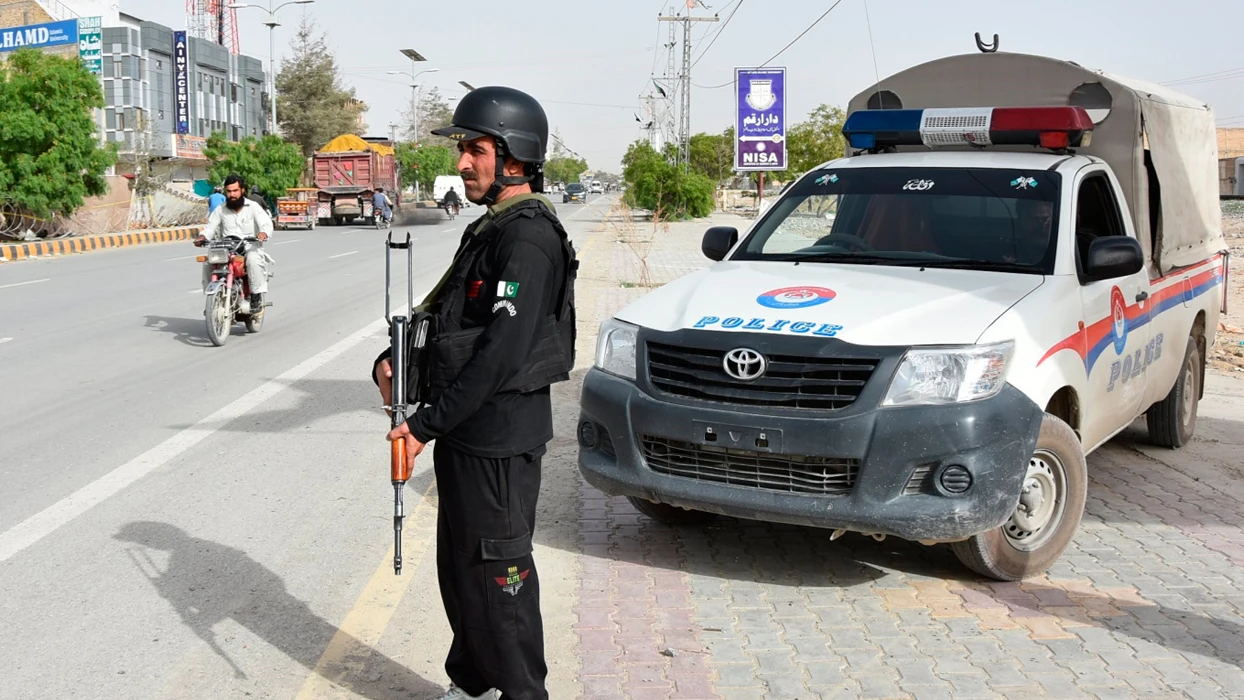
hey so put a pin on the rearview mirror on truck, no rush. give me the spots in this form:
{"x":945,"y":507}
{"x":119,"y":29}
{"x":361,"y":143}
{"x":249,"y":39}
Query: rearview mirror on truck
{"x":718,"y":241}
{"x":1112,"y":257}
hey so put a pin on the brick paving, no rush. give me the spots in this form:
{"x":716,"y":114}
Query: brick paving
{"x":1147,"y":602}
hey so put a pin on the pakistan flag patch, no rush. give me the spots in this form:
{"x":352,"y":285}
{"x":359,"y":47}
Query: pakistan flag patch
{"x":507,"y":290}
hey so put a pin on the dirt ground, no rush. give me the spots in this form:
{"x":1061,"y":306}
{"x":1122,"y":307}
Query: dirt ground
{"x":1228,"y":354}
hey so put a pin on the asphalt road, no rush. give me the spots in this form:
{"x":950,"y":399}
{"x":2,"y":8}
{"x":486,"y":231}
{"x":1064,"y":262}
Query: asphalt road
{"x":181,"y":520}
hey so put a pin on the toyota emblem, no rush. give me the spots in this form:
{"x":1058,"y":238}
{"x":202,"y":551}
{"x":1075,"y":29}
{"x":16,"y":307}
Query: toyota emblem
{"x":745,"y":364}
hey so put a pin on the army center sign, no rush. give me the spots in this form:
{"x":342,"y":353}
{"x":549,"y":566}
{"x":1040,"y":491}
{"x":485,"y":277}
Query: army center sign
{"x":760,"y":119}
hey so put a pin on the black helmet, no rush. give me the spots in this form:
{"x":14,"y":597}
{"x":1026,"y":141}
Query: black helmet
{"x":518,"y":123}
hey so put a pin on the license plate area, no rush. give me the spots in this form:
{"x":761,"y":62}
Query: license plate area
{"x":738,"y":437}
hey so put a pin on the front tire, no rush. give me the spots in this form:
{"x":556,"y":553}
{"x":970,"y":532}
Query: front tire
{"x":669,"y":515}
{"x":219,"y":317}
{"x":1172,"y":421}
{"x":1046,"y":517}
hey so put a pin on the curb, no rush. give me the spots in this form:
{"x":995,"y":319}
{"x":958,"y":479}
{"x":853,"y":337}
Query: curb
{"x":21,"y":251}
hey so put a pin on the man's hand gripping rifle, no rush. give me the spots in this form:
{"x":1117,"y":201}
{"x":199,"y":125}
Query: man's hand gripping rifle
{"x":399,"y":340}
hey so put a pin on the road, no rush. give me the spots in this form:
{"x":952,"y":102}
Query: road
{"x":181,"y":520}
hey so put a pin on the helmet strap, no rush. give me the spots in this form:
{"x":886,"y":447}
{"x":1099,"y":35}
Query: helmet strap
{"x":501,"y":180}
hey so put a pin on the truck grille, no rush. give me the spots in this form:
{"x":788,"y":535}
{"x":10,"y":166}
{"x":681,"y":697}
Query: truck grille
{"x":825,"y":383}
{"x":821,"y":476}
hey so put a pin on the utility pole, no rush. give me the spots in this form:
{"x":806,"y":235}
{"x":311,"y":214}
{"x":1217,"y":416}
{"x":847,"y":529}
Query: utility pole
{"x":684,"y":116}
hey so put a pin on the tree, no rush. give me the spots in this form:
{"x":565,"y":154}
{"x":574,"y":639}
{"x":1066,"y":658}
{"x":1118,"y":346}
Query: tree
{"x":313,"y":106}
{"x":137,"y":158}
{"x":268,"y":163}
{"x":50,"y":158}
{"x":434,"y":113}
{"x":815,"y":140}
{"x":424,"y":163}
{"x":564,"y":168}
{"x":712,"y":155}
{"x":667,"y":190}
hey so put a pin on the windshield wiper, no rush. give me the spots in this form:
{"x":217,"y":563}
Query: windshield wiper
{"x":860,"y":258}
{"x":983,"y":265}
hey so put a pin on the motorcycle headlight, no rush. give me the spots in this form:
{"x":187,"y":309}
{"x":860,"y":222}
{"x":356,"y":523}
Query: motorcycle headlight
{"x":615,"y":348}
{"x":217,"y":255}
{"x":950,"y":375}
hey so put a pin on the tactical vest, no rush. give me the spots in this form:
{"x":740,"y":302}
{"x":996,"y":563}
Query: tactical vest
{"x":440,"y":347}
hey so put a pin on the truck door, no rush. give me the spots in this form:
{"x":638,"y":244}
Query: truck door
{"x":1115,"y":316}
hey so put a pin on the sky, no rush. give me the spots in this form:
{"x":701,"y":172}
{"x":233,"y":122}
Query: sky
{"x":589,"y":62}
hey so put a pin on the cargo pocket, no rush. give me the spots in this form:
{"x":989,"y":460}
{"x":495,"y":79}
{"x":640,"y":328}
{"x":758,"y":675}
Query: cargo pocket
{"x":509,"y":571}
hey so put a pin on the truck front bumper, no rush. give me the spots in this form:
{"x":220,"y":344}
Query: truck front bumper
{"x":920,"y":473}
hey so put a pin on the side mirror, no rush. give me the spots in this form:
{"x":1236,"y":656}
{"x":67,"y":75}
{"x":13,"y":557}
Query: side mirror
{"x":1112,"y":257}
{"x":718,"y":241}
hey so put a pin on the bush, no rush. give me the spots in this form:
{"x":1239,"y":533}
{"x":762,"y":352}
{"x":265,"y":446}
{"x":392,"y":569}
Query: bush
{"x":665,"y":189}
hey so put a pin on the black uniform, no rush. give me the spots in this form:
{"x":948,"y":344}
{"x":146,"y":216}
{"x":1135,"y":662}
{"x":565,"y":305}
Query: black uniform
{"x":489,"y":446}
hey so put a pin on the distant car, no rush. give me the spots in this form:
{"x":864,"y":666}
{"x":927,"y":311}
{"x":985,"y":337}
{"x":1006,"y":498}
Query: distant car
{"x":575,"y":192}
{"x":597,"y":188}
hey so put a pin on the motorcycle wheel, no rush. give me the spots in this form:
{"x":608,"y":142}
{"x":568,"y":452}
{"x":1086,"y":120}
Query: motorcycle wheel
{"x":219,"y":317}
{"x":254,"y":322}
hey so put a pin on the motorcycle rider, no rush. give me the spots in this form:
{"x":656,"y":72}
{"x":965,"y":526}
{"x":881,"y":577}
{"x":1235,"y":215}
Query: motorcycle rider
{"x":451,"y":200}
{"x":380,"y":203}
{"x":241,"y":217}
{"x":489,"y":405}
{"x":257,"y":197}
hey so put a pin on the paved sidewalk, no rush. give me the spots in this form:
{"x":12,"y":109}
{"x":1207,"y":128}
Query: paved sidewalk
{"x":1147,"y":602}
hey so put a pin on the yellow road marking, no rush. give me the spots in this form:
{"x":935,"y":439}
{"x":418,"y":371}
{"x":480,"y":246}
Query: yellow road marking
{"x":373,"y":610}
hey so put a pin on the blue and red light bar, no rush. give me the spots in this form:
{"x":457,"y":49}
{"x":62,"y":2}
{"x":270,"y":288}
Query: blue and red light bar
{"x":1047,"y":127}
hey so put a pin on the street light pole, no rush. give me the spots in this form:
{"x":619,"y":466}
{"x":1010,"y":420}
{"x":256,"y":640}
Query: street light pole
{"x":271,"y":24}
{"x":415,"y":57}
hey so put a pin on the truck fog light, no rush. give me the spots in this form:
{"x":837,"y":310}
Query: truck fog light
{"x":588,"y":436}
{"x":955,"y":480}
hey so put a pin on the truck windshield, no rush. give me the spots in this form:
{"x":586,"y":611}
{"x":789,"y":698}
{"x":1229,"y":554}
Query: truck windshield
{"x":982,"y":218}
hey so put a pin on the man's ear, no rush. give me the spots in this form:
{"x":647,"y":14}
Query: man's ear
{"x":513,"y":167}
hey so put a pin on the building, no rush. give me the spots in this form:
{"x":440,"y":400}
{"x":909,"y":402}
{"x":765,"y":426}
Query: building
{"x":1230,"y":150}
{"x":143,"y":110}
{"x":164,"y":92}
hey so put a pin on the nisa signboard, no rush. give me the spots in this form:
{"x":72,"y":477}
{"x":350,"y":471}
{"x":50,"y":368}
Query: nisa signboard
{"x":39,"y":36}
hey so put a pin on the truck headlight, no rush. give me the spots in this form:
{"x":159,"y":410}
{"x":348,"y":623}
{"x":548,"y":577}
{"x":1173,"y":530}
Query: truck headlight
{"x":950,"y":375}
{"x":615,"y":348}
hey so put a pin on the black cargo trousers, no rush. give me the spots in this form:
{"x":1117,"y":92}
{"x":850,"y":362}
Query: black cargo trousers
{"x":487,"y":575}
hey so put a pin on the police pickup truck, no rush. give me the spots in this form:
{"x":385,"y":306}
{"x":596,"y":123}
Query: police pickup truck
{"x":1018,"y":258}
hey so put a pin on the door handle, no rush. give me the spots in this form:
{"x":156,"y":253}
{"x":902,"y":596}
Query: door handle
{"x":1141,"y":296}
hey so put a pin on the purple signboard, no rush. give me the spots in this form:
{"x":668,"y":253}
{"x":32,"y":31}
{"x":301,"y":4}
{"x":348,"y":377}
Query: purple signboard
{"x":760,"y":119}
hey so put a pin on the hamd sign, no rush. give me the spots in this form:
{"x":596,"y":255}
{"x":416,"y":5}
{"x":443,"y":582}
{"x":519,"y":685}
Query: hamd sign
{"x":39,"y":36}
{"x":760,"y":119}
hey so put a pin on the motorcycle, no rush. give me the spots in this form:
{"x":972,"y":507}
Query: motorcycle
{"x":383,"y":222}
{"x":228,"y":289}
{"x":451,"y":209}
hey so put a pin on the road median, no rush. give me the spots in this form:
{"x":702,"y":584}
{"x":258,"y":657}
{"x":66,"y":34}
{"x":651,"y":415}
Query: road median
{"x":84,"y":244}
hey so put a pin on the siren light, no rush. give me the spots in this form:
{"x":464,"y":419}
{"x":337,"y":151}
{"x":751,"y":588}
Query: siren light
{"x":1054,"y":128}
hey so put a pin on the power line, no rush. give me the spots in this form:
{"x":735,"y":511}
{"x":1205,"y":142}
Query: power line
{"x":1206,"y":75}
{"x":718,"y":34}
{"x":784,"y":48}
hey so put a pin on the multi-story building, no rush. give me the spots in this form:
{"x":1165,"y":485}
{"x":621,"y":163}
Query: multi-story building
{"x":164,"y":92}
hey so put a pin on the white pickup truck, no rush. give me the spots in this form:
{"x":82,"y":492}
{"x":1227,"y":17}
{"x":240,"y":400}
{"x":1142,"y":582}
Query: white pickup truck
{"x":1018,"y":258}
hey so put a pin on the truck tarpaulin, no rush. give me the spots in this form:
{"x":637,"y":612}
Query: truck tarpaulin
{"x":1130,"y":117}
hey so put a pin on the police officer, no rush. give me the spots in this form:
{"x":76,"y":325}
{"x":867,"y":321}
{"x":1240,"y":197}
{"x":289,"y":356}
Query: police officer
{"x":503,"y":317}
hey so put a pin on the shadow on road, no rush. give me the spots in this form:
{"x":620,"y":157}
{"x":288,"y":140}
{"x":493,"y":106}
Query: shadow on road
{"x":207,"y":583}
{"x":187,"y":331}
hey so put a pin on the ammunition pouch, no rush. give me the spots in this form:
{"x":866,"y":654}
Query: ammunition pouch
{"x":441,"y":348}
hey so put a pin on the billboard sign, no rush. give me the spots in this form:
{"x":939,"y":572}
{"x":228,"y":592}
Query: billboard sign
{"x":91,"y":43}
{"x":181,"y":81}
{"x":39,"y":36}
{"x":760,"y":119}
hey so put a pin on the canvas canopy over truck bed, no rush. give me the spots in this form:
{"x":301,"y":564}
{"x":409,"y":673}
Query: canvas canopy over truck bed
{"x":1161,"y":144}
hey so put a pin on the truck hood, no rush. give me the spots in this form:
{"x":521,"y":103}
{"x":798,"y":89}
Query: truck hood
{"x":861,"y":304}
